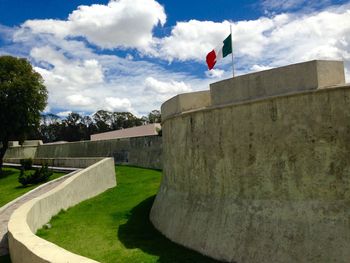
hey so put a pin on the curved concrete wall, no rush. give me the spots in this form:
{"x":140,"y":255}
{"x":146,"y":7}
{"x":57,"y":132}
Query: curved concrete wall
{"x":261,"y":181}
{"x":24,"y":245}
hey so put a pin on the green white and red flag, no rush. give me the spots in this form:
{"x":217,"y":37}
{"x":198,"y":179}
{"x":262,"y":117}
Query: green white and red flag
{"x":221,"y":51}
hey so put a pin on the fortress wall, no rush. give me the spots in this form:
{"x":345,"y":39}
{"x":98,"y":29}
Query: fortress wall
{"x":260,"y":181}
{"x":140,"y":151}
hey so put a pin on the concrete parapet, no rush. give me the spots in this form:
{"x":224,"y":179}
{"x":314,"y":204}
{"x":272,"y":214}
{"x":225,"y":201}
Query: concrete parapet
{"x":32,"y":142}
{"x":309,"y":75}
{"x":185,"y":102}
{"x":24,"y":245}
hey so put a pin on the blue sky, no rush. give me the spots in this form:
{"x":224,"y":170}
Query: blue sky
{"x":132,"y":55}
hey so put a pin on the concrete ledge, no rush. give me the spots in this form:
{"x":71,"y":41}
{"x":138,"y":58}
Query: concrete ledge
{"x":24,"y":245}
{"x":60,"y":162}
{"x":185,"y":102}
{"x":32,"y":143}
{"x":309,"y":75}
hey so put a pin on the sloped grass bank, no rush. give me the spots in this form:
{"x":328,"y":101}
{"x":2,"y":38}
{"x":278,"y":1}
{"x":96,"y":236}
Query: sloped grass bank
{"x":115,"y":227}
{"x":10,"y":188}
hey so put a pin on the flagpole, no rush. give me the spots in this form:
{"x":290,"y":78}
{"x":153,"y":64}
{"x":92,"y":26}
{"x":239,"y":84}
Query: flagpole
{"x":233,"y":67}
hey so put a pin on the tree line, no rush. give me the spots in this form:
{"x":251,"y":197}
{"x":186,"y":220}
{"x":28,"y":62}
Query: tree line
{"x":76,"y":127}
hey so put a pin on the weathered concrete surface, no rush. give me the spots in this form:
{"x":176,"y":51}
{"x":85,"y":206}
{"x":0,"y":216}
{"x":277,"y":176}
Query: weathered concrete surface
{"x":21,"y":152}
{"x":185,"y":102}
{"x":298,"y":77}
{"x":267,"y":181}
{"x":141,"y":151}
{"x":25,"y":246}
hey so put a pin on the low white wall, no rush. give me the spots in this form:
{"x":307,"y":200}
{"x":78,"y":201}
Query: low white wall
{"x":60,"y":162}
{"x":25,"y":246}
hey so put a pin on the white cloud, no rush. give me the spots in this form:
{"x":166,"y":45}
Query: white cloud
{"x":215,"y":73}
{"x":68,"y":72}
{"x":120,"y":23}
{"x":259,"y":68}
{"x":117,"y":104}
{"x":192,"y":39}
{"x":162,"y":87}
{"x":79,"y":100}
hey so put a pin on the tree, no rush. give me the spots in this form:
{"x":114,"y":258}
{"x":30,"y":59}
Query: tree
{"x":154,"y":117}
{"x":22,"y":97}
{"x":102,"y":120}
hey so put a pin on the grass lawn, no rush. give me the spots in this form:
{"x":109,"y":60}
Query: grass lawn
{"x":114,"y":226}
{"x":10,"y":188}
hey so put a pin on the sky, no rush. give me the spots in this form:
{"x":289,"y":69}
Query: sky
{"x":133,"y":55}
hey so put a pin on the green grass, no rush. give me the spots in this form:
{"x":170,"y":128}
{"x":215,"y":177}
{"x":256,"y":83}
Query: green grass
{"x":114,"y":226}
{"x":10,"y":188}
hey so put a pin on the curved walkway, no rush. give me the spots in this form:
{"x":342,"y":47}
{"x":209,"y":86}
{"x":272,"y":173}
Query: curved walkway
{"x":7,"y":210}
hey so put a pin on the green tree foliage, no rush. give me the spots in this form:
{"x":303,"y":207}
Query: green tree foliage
{"x":154,"y":117}
{"x":22,"y":97}
{"x":38,"y":176}
{"x":77,"y":127}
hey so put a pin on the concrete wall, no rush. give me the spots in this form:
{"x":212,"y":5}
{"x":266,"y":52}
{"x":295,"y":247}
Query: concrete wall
{"x":21,"y":152}
{"x":140,"y":151}
{"x":25,"y":246}
{"x":260,"y":181}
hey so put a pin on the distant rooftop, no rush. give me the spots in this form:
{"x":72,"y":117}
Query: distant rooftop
{"x":139,"y":131}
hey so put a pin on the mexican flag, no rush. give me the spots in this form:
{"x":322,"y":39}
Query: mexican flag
{"x":224,"y":49}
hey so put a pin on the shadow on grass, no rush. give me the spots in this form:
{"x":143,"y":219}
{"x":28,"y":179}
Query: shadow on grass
{"x":139,"y":232}
{"x":5,"y":259}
